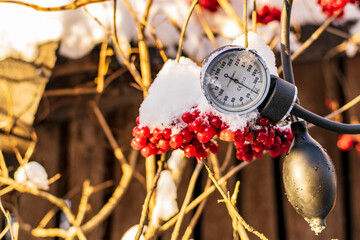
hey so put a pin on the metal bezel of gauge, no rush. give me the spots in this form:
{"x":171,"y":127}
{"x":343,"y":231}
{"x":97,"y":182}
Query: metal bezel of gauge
{"x":207,"y":79}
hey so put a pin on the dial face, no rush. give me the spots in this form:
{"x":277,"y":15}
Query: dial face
{"x":235,"y":80}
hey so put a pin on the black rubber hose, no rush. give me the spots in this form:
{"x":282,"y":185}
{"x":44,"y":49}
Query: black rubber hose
{"x":323,"y":122}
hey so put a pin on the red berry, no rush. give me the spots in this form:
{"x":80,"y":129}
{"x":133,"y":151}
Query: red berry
{"x":239,"y":145}
{"x":201,"y":136}
{"x":163,"y":144}
{"x":200,"y":154}
{"x":186,"y":135}
{"x":287,"y":134}
{"x":157,"y":133}
{"x":166,"y":133}
{"x":144,"y":132}
{"x":195,"y":114}
{"x":147,"y":151}
{"x":214,"y":147}
{"x":224,"y":126}
{"x":135,"y":131}
{"x":261,"y":135}
{"x":186,"y":117}
{"x":153,"y":139}
{"x":209,"y":132}
{"x":137,"y":121}
{"x":175,"y":141}
{"x":198,"y":125}
{"x":271,"y":132}
{"x":264,"y":121}
{"x":274,"y":152}
{"x":135,"y":145}
{"x":215,"y":122}
{"x":269,"y":141}
{"x":245,"y":148}
{"x":263,"y":11}
{"x":258,"y":154}
{"x":189,"y":151}
{"x":211,"y":5}
{"x":277,"y":141}
{"x":160,"y":151}
{"x":284,"y":147}
{"x":248,"y":156}
{"x":249,"y":136}
{"x":227,"y":135}
{"x":267,"y":14}
{"x":239,"y":155}
{"x":357,"y":147}
{"x":345,"y":142}
{"x":257,"y":147}
{"x":239,"y":136}
{"x":140,"y":141}
{"x":195,"y":142}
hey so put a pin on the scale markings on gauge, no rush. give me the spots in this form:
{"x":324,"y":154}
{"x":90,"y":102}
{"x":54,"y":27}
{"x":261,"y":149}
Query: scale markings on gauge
{"x":235,"y":73}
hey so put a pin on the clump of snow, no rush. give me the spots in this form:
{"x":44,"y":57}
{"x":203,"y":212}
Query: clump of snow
{"x":33,"y":174}
{"x":176,"y":165}
{"x":166,"y":195}
{"x":131,"y":233}
{"x":175,"y":90}
{"x":256,"y":43}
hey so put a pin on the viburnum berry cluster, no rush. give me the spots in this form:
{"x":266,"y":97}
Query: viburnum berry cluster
{"x":267,"y":14}
{"x":199,"y":134}
{"x":330,"y":7}
{"x":346,"y":142}
{"x":211,"y":5}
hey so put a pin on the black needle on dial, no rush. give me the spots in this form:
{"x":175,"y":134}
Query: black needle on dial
{"x":237,"y":81}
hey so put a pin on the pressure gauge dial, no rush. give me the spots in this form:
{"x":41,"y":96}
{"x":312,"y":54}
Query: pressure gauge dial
{"x":235,"y":80}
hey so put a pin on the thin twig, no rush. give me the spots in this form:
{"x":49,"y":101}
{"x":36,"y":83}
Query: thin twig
{"x":3,"y":166}
{"x":157,"y":41}
{"x":206,"y":26}
{"x":106,"y":129}
{"x":118,"y":193}
{"x":102,"y":67}
{"x":196,"y":216}
{"x":204,"y":195}
{"x":150,"y":168}
{"x":245,"y":23}
{"x":314,"y":36}
{"x":8,"y":218}
{"x":143,"y":50}
{"x":183,"y":30}
{"x":254,"y":17}
{"x":145,"y":208}
{"x":229,"y":10}
{"x":228,"y":156}
{"x":76,"y":4}
{"x":69,"y":92}
{"x":36,"y":192}
{"x":87,"y":191}
{"x":341,"y":110}
{"x":186,"y":201}
{"x":228,"y":202}
{"x":217,"y":175}
{"x":129,"y":65}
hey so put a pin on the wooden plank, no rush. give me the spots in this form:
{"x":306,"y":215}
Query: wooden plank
{"x":128,"y":211}
{"x":33,"y":209}
{"x":258,"y":197}
{"x":86,"y":161}
{"x":352,"y":89}
{"x":310,"y":82}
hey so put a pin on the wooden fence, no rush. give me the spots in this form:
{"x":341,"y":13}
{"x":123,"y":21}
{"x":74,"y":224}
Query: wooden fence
{"x":71,"y":143}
